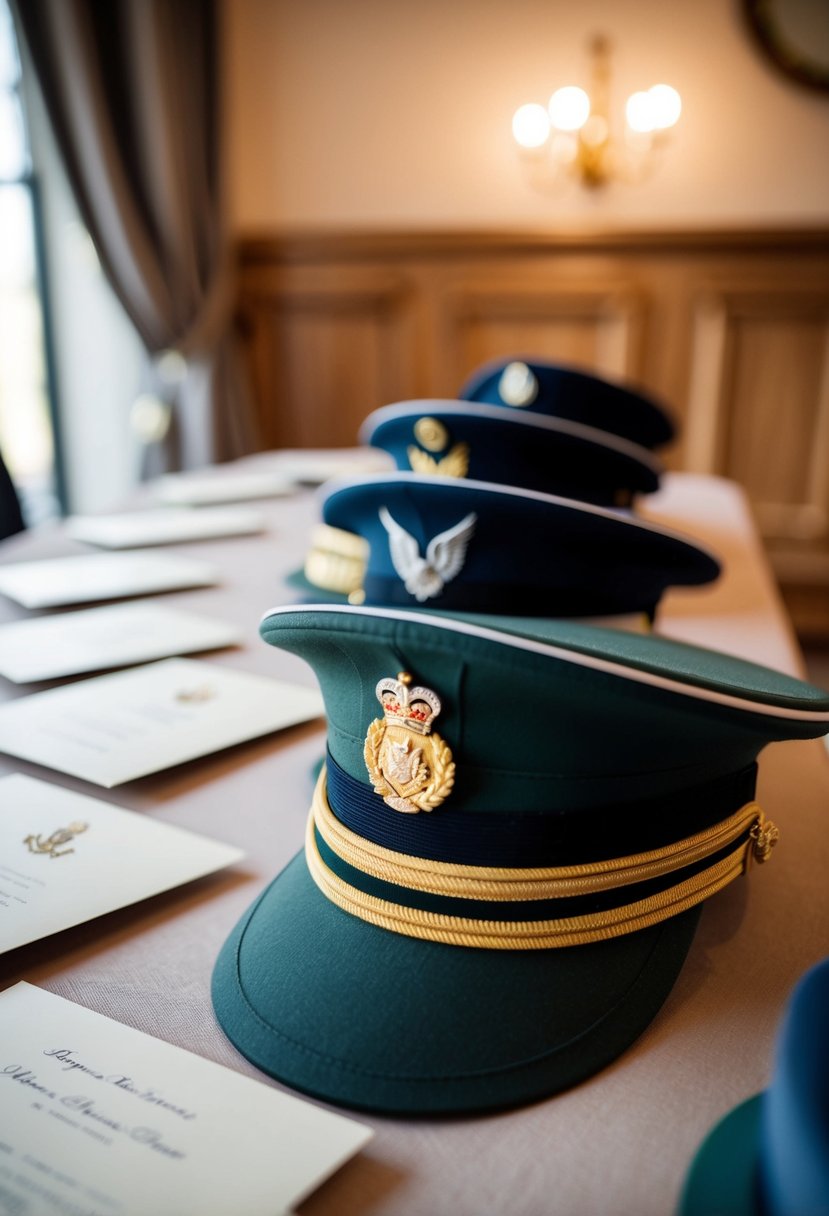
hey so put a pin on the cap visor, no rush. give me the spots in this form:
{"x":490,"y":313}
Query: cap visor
{"x":319,"y":595}
{"x":374,"y":1020}
{"x":723,"y":1176}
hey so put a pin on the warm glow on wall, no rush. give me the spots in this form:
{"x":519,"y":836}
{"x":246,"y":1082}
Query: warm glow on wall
{"x":574,"y":134}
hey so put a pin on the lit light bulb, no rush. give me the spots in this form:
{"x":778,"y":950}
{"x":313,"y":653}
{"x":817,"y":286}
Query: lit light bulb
{"x":667,"y":106}
{"x":640,"y":112}
{"x":530,"y":125}
{"x":569,"y":108}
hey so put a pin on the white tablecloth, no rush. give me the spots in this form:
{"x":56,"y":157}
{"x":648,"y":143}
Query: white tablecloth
{"x":619,"y":1143}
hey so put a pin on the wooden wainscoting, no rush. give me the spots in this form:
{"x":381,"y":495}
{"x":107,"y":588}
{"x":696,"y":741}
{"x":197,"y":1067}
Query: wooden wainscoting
{"x":730,"y":329}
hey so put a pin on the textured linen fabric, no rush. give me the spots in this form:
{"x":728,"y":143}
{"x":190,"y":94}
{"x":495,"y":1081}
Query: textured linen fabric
{"x":621,"y":1141}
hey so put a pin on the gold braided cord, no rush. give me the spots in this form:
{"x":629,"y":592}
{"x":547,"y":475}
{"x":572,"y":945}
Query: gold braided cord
{"x":522,"y":935}
{"x":507,"y":885}
{"x":340,"y":542}
{"x":334,"y":571}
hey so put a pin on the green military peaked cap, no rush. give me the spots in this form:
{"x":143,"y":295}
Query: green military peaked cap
{"x":506,"y":855}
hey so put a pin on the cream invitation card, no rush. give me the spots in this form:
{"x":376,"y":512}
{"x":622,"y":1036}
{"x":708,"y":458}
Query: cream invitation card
{"x":220,"y":486}
{"x":66,"y":858}
{"x":313,"y":466}
{"x":98,"y":1119}
{"x":50,"y":647}
{"x":118,"y":727}
{"x":54,"y":582}
{"x":164,"y":526}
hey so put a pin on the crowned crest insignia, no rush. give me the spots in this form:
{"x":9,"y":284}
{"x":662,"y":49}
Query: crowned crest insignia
{"x":410,"y":766}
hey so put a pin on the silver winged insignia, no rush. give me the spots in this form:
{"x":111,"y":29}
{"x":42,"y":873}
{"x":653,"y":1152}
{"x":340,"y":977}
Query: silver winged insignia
{"x":425,"y":577}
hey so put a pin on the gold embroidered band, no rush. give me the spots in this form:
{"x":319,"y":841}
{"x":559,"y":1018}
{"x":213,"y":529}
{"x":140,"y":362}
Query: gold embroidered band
{"x":756,"y":838}
{"x":336,"y":560}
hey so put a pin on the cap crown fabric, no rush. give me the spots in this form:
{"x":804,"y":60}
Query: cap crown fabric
{"x":525,"y":703}
{"x":470,"y":546}
{"x":496,"y":444}
{"x":793,"y":1154}
{"x":539,"y":386}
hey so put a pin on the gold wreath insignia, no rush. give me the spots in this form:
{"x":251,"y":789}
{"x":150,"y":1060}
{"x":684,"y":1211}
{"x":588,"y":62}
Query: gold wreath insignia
{"x":410,"y":767}
{"x":454,"y":464}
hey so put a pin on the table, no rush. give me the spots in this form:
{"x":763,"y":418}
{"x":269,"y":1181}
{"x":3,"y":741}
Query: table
{"x":621,"y":1141}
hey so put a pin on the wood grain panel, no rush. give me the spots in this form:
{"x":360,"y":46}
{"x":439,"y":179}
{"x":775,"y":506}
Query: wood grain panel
{"x":590,"y":326}
{"x":759,"y":407}
{"x":322,"y":358}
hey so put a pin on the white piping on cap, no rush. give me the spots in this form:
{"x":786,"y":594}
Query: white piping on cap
{"x":401,"y":477}
{"x":506,"y":414}
{"x":549,"y":650}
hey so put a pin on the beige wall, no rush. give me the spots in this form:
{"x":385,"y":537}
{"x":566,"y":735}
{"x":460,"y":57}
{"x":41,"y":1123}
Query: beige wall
{"x":397,"y":113}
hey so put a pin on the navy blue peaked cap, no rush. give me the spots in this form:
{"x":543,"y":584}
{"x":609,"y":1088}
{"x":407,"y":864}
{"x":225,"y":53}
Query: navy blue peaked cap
{"x":770,"y":1155}
{"x":470,"y":546}
{"x":542,"y":387}
{"x":497,"y":444}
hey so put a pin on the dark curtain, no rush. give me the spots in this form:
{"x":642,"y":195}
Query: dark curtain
{"x":132,"y":88}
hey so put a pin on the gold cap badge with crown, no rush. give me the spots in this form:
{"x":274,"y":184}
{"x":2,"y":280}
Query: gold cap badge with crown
{"x":410,"y":767}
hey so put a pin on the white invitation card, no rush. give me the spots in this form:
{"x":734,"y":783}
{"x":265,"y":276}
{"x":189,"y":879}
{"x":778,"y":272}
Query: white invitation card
{"x":313,"y":466}
{"x":115,"y":728}
{"x":221,"y":486}
{"x":163,"y":526}
{"x":87,"y":577}
{"x":66,"y":858}
{"x":98,"y":1119}
{"x":50,"y":647}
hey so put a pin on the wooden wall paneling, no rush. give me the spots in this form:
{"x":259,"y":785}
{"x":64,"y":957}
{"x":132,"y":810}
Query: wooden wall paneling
{"x":707,"y":384}
{"x":590,"y":325}
{"x":758,"y":402}
{"x":325,"y":351}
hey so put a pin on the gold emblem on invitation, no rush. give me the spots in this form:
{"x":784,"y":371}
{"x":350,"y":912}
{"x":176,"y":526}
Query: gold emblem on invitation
{"x":517,"y":386}
{"x":196,"y":696}
{"x":50,"y":846}
{"x":433,"y":435}
{"x":410,"y":767}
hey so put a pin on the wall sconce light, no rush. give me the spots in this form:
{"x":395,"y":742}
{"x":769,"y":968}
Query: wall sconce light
{"x":573,"y":133}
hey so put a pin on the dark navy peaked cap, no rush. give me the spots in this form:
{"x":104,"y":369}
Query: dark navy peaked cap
{"x":541,"y":387}
{"x":770,"y":1156}
{"x":471,"y":546}
{"x":498,"y":444}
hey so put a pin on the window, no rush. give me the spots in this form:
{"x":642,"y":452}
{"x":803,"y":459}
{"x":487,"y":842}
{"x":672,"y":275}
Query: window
{"x":27,"y":433}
